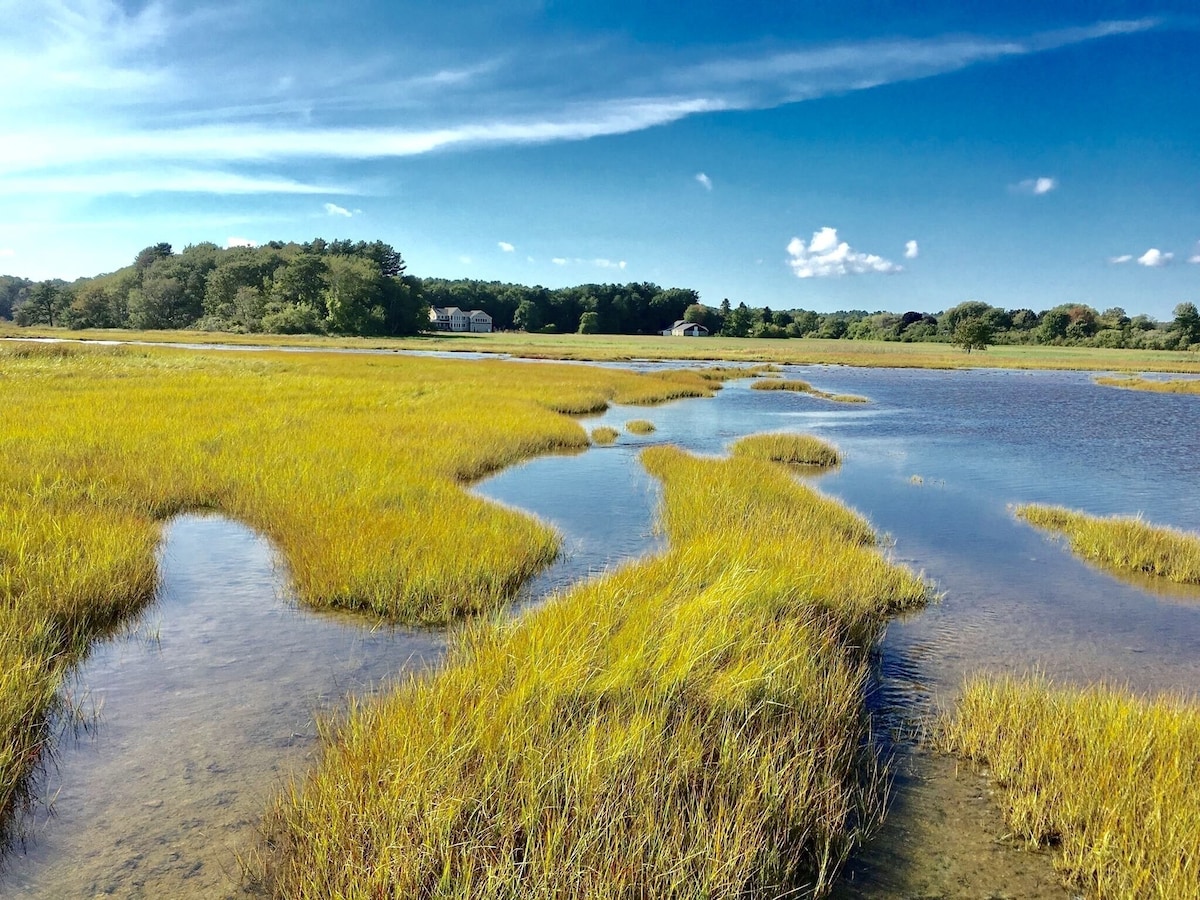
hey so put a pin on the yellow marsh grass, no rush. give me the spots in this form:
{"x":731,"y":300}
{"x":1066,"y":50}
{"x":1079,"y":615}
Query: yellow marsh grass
{"x":614,"y":348}
{"x":640,"y":426}
{"x":687,"y":726}
{"x":1173,"y":386}
{"x":354,"y":465}
{"x":792,"y":449}
{"x":1123,"y":543}
{"x":1110,"y":780}
{"x":603,"y":435}
{"x":803,"y":387}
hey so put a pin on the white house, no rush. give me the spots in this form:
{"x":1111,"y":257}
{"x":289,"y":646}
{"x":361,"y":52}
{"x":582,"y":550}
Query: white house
{"x":451,"y":318}
{"x":685,"y":329}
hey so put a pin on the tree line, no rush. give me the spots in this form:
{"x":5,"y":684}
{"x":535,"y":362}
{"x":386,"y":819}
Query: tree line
{"x":341,"y":287}
{"x":972,"y":325}
{"x":345,"y":287}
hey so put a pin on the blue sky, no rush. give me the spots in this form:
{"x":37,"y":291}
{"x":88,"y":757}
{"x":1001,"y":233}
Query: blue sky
{"x":854,"y":155}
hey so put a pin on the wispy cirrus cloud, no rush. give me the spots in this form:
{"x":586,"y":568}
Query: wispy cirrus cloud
{"x":598,"y":262}
{"x":161,"y":180}
{"x":91,"y":87}
{"x":827,"y":256}
{"x":332,"y":209}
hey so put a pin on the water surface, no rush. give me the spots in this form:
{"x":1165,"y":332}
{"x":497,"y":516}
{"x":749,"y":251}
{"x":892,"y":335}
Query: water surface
{"x":211,"y":698}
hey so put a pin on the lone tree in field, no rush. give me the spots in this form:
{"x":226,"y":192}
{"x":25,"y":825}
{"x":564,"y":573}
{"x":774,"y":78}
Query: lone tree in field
{"x":972,"y":334}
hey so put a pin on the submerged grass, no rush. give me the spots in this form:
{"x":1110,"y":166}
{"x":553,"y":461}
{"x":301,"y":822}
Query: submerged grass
{"x":354,"y":465}
{"x":803,"y":387}
{"x":1123,"y":543}
{"x":689,"y":726}
{"x":1171,"y":386}
{"x":792,"y":449}
{"x":1110,"y":780}
{"x":640,"y":426}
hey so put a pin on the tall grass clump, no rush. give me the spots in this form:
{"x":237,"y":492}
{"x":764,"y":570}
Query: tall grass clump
{"x":640,"y":426}
{"x":603,"y":435}
{"x":803,"y":387}
{"x":1161,"y":386}
{"x":1123,"y":543}
{"x":1111,"y":781}
{"x":791,"y":449}
{"x":356,"y":467}
{"x":688,"y":726}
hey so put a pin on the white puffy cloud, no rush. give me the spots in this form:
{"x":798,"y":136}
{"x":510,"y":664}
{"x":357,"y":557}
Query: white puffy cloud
{"x":559,"y":261}
{"x":1036,"y":186}
{"x":1155,"y":258}
{"x":1121,"y":260}
{"x":1195,"y":257}
{"x":505,"y":246}
{"x":704,"y":180}
{"x":334,"y":210}
{"x":825,"y":256}
{"x":239,"y":242}
{"x":911,"y":250}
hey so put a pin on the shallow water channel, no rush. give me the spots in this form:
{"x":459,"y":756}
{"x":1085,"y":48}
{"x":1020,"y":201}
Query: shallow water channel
{"x":205,"y":704}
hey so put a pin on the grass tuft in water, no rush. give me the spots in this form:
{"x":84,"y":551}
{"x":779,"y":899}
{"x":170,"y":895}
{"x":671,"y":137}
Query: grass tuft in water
{"x":1123,"y":543}
{"x":688,"y":726}
{"x":640,"y":426}
{"x":602,"y":435}
{"x":792,"y":449}
{"x":803,"y":387}
{"x":1108,"y":779}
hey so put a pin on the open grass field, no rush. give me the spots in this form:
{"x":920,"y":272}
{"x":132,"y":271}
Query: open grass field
{"x":355,"y":466}
{"x":1122,"y":543}
{"x":1109,"y":780}
{"x":690,"y":725}
{"x":1167,"y":386}
{"x":608,"y":347}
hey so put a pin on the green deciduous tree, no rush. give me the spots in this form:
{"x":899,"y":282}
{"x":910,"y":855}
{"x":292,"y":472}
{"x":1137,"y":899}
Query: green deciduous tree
{"x":1187,"y":324}
{"x":973,"y":334}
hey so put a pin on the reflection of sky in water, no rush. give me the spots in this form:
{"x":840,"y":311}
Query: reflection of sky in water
{"x":214,"y":696}
{"x":979,"y":440}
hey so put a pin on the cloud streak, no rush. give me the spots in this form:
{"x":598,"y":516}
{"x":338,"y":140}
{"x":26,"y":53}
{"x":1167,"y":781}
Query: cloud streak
{"x":112,"y":80}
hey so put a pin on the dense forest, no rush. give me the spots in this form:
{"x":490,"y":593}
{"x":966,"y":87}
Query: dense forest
{"x":345,"y":287}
